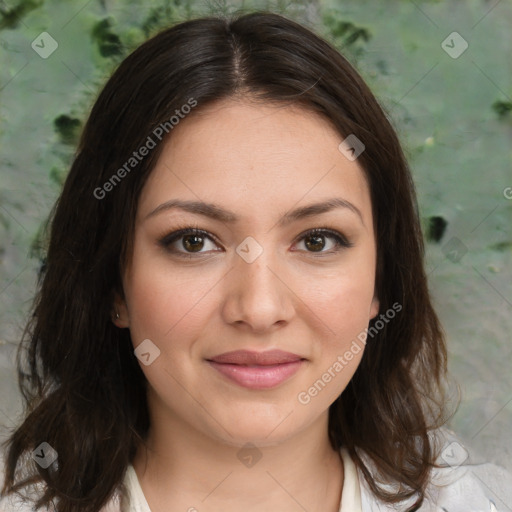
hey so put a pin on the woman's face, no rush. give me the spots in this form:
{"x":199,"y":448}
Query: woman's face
{"x":253,"y":279}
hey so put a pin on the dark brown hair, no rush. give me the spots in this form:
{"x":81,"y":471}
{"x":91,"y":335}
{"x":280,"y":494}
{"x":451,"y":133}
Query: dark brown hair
{"x":84,"y":390}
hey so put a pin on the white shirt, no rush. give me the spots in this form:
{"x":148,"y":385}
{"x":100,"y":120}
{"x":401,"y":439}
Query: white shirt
{"x":461,"y":487}
{"x":466,"y":488}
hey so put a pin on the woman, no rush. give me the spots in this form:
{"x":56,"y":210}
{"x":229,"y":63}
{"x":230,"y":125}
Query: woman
{"x":233,"y":313}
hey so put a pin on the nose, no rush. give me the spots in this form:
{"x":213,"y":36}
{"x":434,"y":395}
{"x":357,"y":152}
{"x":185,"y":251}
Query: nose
{"x":257,"y":295}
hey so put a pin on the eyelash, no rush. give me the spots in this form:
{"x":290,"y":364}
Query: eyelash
{"x":341,"y":241}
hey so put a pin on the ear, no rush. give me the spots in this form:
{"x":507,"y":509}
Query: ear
{"x":120,"y":315}
{"x":374,"y":307}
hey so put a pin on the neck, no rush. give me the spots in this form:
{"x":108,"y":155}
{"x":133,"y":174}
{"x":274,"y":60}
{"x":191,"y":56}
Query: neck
{"x":190,"y":471}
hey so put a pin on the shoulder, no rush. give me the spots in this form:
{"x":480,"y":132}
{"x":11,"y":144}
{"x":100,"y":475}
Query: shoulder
{"x":458,"y":485}
{"x":478,"y":487}
{"x":14,"y":502}
{"x":17,"y":503}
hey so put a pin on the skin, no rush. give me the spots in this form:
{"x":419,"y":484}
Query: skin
{"x":258,"y":161}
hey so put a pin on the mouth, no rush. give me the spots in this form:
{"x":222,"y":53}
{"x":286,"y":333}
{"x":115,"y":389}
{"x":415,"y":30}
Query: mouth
{"x":257,"y":370}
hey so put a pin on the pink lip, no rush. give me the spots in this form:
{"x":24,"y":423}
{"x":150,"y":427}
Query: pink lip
{"x":257,"y":370}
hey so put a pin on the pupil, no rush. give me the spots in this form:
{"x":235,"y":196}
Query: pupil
{"x":197,"y":245}
{"x":317,"y":245}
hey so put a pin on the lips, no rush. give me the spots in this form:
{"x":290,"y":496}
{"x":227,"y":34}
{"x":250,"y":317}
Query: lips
{"x":249,"y":358}
{"x":257,"y":370}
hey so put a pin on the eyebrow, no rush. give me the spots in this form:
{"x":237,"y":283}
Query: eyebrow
{"x":218,"y":213}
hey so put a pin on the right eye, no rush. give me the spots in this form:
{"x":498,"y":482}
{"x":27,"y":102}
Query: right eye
{"x":188,"y":241}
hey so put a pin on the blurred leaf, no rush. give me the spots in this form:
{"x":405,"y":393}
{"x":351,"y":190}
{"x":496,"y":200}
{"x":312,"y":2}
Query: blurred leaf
{"x":502,"y":246}
{"x":502,"y":108}
{"x":11,"y":18}
{"x":436,"y":228}
{"x":58,"y":175}
{"x":68,"y":128}
{"x":109,"y":43}
{"x":345,"y":33}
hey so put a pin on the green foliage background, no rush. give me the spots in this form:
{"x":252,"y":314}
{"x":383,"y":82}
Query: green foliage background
{"x":454,"y":117}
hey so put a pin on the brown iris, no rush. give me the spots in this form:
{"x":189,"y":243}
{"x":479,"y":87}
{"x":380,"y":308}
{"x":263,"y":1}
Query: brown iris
{"x":318,"y":242}
{"x":195,"y":245}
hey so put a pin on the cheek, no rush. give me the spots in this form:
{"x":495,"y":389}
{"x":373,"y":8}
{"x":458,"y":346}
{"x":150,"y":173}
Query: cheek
{"x":163,"y":302}
{"x":336,"y":355}
{"x":342,"y":299}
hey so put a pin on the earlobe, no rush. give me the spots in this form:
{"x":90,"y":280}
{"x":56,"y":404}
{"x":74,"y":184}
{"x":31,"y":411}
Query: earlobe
{"x":120,"y":317}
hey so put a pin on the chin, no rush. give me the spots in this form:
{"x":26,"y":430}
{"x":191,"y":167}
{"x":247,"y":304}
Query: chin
{"x":260,"y":438}
{"x":260,"y":427}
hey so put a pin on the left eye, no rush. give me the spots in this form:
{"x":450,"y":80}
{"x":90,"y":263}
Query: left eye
{"x":314,"y":240}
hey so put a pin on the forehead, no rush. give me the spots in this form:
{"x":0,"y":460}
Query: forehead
{"x":255,"y":159}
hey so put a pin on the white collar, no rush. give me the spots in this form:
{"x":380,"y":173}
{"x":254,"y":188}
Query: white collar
{"x":350,"y":496}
